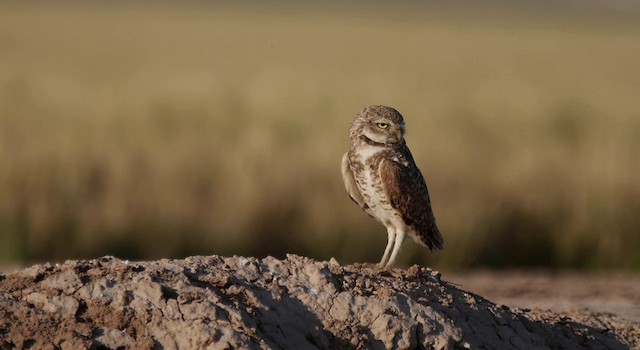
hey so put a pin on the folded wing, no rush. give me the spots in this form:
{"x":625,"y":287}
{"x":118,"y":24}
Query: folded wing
{"x":407,"y":191}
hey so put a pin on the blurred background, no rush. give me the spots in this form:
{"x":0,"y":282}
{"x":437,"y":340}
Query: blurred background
{"x":167,"y":129}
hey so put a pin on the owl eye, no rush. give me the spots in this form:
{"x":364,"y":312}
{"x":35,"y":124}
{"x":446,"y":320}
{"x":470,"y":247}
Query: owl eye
{"x":382,"y":125}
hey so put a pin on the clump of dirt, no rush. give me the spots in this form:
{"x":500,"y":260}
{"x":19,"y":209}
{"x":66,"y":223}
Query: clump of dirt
{"x":296,"y":303}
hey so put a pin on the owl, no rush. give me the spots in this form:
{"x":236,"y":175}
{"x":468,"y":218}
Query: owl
{"x":381,"y":176}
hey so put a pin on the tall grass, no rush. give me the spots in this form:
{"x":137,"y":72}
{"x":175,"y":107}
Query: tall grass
{"x":172,"y":130}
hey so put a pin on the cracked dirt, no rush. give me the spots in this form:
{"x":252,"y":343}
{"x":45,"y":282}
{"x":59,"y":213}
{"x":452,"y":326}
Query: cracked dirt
{"x":212,"y":302}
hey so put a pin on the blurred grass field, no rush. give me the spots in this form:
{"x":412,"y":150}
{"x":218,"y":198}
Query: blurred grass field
{"x":164,"y":130}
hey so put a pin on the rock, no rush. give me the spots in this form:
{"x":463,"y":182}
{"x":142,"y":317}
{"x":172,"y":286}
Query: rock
{"x":296,"y":303}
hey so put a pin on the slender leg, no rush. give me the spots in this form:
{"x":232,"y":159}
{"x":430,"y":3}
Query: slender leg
{"x":396,"y":248}
{"x":391,"y":232}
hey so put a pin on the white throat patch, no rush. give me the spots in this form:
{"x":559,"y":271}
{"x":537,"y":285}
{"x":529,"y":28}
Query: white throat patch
{"x":367,"y":151}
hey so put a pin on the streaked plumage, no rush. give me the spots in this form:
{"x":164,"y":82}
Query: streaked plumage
{"x":381,"y":176}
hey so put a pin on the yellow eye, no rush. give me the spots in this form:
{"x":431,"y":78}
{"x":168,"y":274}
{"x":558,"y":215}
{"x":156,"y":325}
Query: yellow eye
{"x":382,"y":125}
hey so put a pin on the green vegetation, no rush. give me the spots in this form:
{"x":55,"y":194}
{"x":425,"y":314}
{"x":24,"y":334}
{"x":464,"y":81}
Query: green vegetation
{"x":170,"y":130}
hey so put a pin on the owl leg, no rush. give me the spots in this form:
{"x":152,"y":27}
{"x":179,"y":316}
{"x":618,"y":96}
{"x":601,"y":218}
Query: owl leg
{"x":396,"y":248}
{"x":391,"y":232}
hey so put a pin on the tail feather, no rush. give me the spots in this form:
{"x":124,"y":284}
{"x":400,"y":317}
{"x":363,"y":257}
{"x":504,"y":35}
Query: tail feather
{"x":430,"y":238}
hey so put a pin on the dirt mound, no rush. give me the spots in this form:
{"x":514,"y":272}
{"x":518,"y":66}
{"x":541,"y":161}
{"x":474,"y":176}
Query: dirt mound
{"x":297,"y":303}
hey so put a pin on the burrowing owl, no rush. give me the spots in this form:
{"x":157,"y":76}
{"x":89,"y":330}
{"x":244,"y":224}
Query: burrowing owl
{"x":381,"y":177}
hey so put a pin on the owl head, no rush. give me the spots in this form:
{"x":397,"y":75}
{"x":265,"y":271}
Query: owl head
{"x":379,"y":124}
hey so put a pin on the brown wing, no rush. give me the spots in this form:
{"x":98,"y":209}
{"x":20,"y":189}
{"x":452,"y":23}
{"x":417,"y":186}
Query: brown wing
{"x":350,"y":185}
{"x":407,"y":191}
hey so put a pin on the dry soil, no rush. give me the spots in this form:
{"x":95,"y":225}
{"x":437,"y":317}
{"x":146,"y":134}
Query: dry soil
{"x":213,"y":302}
